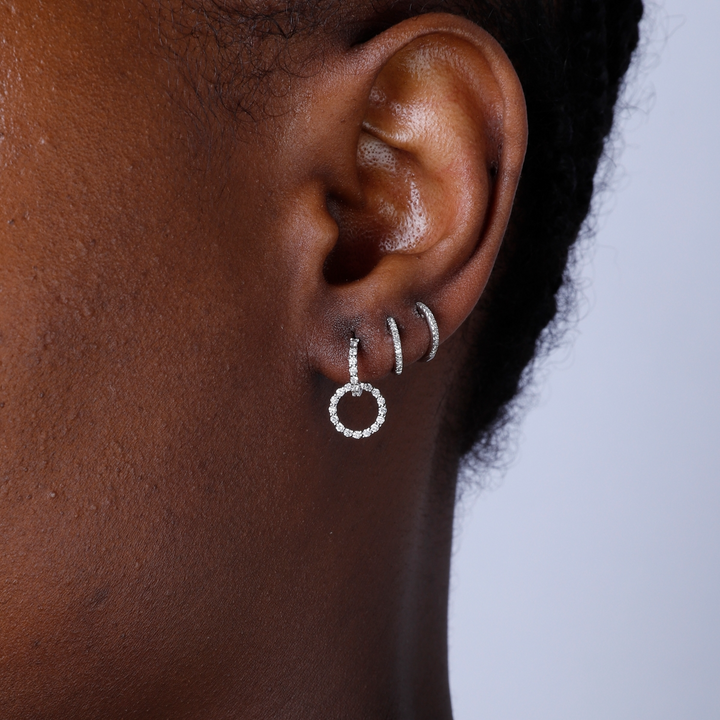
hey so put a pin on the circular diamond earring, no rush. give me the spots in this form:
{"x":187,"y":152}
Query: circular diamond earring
{"x":356,"y":388}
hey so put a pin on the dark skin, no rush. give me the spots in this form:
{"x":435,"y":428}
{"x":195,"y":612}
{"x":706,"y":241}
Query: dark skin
{"x":184,"y":534}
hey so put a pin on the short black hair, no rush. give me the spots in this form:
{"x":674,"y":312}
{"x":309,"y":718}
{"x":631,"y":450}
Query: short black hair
{"x":571,"y":57}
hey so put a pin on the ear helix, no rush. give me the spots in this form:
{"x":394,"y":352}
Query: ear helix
{"x":357,"y":388}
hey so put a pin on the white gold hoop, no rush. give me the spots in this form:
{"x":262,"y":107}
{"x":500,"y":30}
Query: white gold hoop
{"x":396,"y":344}
{"x":356,"y":388}
{"x":434,"y":330}
{"x":352,"y":362}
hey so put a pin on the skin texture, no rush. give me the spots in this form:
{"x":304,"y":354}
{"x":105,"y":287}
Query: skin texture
{"x":183,"y":533}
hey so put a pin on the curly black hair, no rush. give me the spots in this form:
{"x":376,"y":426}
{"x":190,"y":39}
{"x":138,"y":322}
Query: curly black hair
{"x":571,"y":57}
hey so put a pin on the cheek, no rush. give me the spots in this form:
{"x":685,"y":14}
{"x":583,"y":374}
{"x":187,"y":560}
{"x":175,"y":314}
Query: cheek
{"x":144,"y":373}
{"x":131,"y":415}
{"x":133,"y":480}
{"x":139,"y":392}
{"x":116,"y":408}
{"x":87,"y":611}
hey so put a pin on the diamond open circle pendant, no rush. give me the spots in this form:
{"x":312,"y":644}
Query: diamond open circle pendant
{"x":362,"y":387}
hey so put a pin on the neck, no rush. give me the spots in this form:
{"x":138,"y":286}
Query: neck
{"x":347,"y":614}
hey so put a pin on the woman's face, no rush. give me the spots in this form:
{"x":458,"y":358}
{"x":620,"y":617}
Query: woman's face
{"x":174,"y":503}
{"x":142,"y":382}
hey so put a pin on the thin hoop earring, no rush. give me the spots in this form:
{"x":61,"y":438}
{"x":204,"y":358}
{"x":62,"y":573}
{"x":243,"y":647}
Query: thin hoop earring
{"x":356,"y":388}
{"x":434,"y":331}
{"x":396,"y":344}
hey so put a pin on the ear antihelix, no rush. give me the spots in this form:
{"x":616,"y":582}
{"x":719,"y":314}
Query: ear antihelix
{"x":423,"y":162}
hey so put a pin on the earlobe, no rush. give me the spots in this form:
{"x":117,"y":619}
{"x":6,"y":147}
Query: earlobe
{"x":438,"y":154}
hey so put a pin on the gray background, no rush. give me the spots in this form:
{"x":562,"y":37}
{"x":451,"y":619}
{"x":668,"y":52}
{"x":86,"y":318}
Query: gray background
{"x":586,"y":580}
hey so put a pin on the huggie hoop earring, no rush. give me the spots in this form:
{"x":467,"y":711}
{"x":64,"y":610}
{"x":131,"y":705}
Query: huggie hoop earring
{"x":396,"y":344}
{"x":356,"y":388}
{"x":434,"y":331}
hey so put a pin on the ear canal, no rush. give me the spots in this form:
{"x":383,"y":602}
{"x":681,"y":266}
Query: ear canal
{"x":421,"y":162}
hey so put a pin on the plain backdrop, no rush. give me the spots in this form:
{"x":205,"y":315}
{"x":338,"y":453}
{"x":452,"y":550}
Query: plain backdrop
{"x":586,"y":579}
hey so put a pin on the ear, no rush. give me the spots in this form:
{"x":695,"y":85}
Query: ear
{"x":420,"y":139}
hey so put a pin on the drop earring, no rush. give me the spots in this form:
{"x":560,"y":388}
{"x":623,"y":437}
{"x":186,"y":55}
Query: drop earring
{"x":357,"y":388}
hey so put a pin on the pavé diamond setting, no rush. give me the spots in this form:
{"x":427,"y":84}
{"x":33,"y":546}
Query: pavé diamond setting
{"x":356,"y":388}
{"x":433,"y":327}
{"x":397,"y":345}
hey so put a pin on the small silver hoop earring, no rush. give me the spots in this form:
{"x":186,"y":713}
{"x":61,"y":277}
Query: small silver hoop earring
{"x":434,"y":331}
{"x":356,"y":388}
{"x":396,"y":344}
